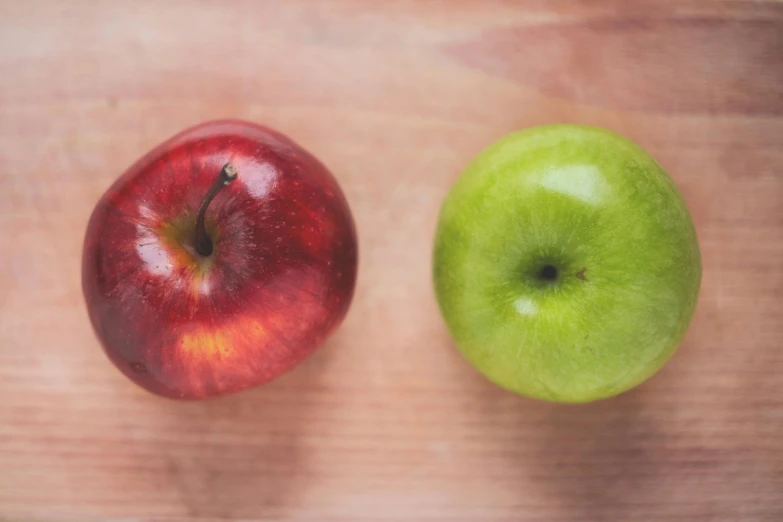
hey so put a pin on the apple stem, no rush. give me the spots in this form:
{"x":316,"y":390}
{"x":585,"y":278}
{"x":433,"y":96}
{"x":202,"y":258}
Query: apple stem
{"x":203,"y":242}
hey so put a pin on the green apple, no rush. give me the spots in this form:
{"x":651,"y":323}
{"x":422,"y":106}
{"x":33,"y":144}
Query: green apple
{"x":566,"y":264}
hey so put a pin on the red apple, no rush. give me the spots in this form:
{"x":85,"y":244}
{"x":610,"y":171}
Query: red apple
{"x":196,"y":291}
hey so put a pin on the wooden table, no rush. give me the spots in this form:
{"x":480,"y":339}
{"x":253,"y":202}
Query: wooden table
{"x":387,"y":422}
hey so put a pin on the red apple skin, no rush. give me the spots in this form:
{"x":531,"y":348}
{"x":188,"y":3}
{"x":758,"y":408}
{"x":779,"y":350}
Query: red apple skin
{"x":279,"y":281}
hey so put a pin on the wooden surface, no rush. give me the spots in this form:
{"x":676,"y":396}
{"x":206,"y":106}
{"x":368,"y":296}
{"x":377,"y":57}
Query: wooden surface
{"x":387,"y":422}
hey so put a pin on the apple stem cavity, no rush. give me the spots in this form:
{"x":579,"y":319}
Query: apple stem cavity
{"x":548,"y":273}
{"x":203,"y":242}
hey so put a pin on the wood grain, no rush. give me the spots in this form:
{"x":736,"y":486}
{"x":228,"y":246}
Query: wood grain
{"x":387,"y":422}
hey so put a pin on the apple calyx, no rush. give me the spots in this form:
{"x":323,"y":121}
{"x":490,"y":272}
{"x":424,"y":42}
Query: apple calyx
{"x":203,"y":244}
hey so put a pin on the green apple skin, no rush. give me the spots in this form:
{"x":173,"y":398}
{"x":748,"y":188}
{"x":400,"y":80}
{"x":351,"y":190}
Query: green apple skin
{"x":598,"y":210}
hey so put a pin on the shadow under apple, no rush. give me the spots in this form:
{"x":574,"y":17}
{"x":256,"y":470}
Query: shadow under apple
{"x":599,"y":461}
{"x":242,"y":456}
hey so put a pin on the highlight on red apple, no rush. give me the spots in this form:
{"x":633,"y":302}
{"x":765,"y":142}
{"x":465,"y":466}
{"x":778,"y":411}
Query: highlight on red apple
{"x":566,"y":263}
{"x":217,"y":262}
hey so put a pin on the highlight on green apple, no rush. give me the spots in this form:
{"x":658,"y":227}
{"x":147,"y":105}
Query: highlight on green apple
{"x":566,"y":264}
